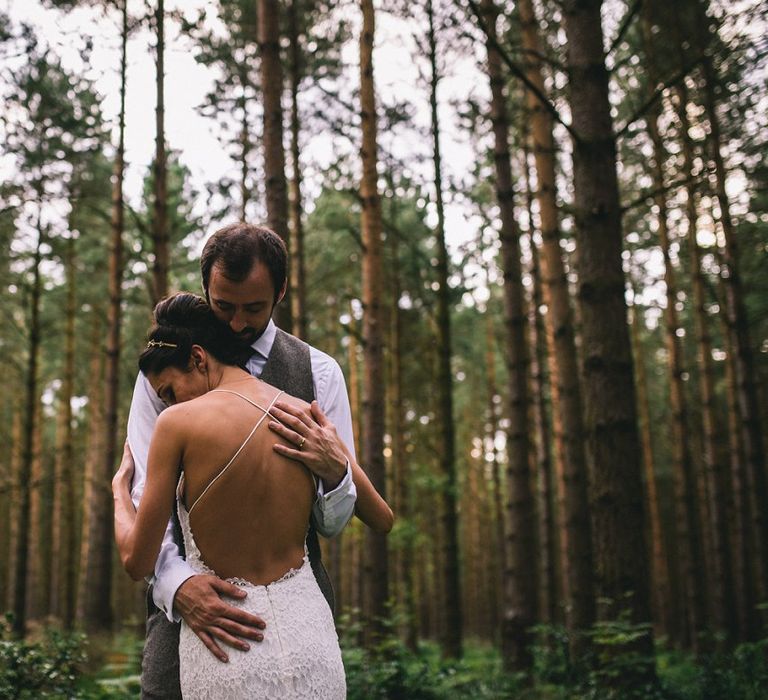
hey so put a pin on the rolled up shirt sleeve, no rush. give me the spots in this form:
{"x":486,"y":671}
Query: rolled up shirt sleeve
{"x":333,"y":510}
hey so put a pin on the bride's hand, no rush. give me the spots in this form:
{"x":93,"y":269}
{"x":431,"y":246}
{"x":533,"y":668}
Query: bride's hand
{"x":123,"y":478}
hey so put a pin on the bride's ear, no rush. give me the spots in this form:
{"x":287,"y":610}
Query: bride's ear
{"x":199,"y":359}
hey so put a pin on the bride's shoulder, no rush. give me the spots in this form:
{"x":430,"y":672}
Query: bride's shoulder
{"x":181,"y":416}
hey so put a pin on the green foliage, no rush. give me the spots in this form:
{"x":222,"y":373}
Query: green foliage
{"x":392,"y":671}
{"x":740,"y":674}
{"x":49,"y":667}
{"x":58,"y":665}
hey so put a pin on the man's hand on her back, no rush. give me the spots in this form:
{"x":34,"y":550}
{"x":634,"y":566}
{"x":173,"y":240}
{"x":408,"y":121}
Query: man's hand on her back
{"x":314,"y":438}
{"x":198,"y":601}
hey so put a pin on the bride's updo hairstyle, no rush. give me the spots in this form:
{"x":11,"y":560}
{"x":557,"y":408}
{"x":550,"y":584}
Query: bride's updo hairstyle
{"x":181,"y":321}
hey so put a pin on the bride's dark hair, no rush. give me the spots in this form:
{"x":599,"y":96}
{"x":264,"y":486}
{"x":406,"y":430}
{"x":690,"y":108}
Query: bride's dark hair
{"x":181,"y":321}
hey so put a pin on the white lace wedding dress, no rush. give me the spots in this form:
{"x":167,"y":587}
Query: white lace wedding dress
{"x":299,"y":656}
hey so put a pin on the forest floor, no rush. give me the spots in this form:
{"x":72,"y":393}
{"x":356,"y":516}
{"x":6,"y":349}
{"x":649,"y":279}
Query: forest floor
{"x":54,"y":665}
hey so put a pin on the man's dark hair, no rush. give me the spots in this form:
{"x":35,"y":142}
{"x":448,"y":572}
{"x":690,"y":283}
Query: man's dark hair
{"x":181,"y":321}
{"x":235,"y":248}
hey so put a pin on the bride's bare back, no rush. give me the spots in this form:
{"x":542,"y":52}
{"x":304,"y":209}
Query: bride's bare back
{"x":250,"y":520}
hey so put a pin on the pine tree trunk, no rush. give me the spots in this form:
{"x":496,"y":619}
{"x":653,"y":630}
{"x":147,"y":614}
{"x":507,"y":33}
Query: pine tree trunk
{"x":353,"y":532}
{"x":575,"y":542}
{"x":160,"y":238}
{"x":298,"y":268}
{"x":64,"y":542}
{"x":497,"y":508}
{"x":659,"y":578}
{"x":46,"y":519}
{"x":613,"y":444}
{"x":724,"y":600}
{"x":752,"y":438}
{"x":245,"y":147}
{"x":99,"y":610}
{"x":17,"y":438}
{"x":376,"y":584}
{"x":38,"y":536}
{"x":452,"y":641}
{"x":274,"y":154}
{"x":403,"y":484}
{"x":6,"y":504}
{"x":690,"y":551}
{"x":544,"y":462}
{"x":718,"y":486}
{"x":520,"y":580}
{"x":95,"y":582}
{"x":744,"y":546}
{"x":21,"y":559}
{"x":473,"y":571}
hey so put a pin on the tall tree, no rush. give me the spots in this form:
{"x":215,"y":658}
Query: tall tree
{"x":64,"y":579}
{"x":609,"y":392}
{"x":376,"y":582}
{"x":660,"y":580}
{"x":519,"y":578}
{"x":452,"y":639}
{"x":92,"y":572}
{"x":274,"y":153}
{"x":545,"y":488}
{"x":298,"y":268}
{"x":690,"y":554}
{"x":98,"y":605}
{"x":31,"y":399}
{"x":160,"y":245}
{"x":575,"y":535}
{"x":746,"y":381}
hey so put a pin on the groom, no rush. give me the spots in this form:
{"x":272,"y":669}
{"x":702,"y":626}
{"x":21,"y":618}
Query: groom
{"x":244,"y":271}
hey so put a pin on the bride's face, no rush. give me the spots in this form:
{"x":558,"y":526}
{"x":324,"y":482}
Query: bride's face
{"x":174,"y":385}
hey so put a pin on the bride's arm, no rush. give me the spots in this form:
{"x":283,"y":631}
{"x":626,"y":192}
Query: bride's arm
{"x":140,"y":534}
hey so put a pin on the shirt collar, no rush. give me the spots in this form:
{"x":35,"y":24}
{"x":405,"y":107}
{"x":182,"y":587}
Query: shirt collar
{"x":263,"y":344}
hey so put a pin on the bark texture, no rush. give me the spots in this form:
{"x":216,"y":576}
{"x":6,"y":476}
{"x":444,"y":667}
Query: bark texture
{"x":298,"y":267}
{"x":659,"y":578}
{"x":21,"y":558}
{"x":452,"y":637}
{"x":690,"y":550}
{"x":160,"y":237}
{"x":275,"y":183}
{"x":573,"y":479}
{"x":376,"y":566}
{"x":520,"y":584}
{"x":613,"y":442}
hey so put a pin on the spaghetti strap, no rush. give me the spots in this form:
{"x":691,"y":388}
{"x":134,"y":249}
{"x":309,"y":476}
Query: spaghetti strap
{"x":245,"y":398}
{"x":244,"y":443}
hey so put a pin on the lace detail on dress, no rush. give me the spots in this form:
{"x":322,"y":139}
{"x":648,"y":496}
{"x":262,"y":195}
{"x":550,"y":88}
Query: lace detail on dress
{"x":299,"y":658}
{"x":288,"y":574}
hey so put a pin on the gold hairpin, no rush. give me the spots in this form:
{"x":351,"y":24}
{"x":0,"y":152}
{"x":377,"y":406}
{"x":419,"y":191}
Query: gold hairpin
{"x":160,"y":344}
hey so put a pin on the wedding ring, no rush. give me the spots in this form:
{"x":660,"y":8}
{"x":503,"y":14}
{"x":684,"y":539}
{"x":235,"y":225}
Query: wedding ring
{"x":303,"y":440}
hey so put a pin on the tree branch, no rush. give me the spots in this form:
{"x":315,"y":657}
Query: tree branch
{"x":626,"y":22}
{"x":137,"y":220}
{"x":650,"y":194}
{"x":519,"y":73}
{"x":640,"y":112}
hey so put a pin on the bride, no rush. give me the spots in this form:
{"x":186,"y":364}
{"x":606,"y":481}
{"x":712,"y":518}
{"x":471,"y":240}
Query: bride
{"x":243,"y":510}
